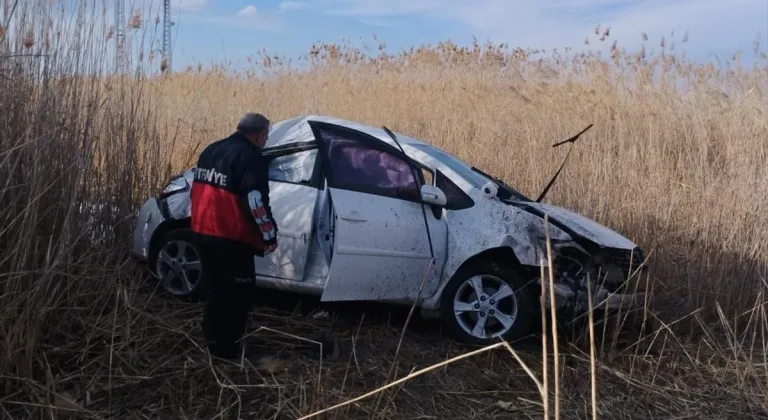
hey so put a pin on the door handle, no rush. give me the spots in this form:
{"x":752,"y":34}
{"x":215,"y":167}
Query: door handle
{"x":353,"y":217}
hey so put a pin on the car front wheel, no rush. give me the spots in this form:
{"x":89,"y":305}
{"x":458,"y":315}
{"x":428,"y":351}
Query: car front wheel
{"x":178,"y":265}
{"x":487,"y":301}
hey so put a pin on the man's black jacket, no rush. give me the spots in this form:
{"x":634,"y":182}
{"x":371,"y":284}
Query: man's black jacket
{"x":230,"y":195}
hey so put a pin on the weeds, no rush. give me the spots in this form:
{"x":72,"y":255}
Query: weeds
{"x":676,"y":160}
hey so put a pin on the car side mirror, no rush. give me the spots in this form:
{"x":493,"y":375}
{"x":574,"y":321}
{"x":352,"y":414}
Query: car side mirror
{"x":433,"y":195}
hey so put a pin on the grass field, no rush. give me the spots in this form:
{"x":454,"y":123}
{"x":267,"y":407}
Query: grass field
{"x":675,"y":160}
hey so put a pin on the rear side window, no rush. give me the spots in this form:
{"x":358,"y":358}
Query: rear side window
{"x":296,"y":168}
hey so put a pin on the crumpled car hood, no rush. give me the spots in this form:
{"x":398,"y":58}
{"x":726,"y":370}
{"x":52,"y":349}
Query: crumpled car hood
{"x":579,"y":224}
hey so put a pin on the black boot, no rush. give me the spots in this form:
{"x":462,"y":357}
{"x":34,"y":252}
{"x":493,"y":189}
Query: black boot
{"x":230,"y":351}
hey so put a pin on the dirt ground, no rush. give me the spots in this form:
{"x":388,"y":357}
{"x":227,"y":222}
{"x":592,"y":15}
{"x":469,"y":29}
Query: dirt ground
{"x":144,"y":361}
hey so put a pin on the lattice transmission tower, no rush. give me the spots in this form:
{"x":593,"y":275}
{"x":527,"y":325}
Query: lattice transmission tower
{"x":119,"y":33}
{"x":167,"y":53}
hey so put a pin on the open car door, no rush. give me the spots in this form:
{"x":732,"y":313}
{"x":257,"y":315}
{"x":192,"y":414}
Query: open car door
{"x":381,"y":248}
{"x":294,"y":185}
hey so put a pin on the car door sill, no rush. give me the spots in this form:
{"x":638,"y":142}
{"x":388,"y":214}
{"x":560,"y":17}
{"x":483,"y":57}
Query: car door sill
{"x":288,"y":285}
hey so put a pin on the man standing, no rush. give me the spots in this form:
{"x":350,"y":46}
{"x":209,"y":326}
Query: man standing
{"x":232,"y":217}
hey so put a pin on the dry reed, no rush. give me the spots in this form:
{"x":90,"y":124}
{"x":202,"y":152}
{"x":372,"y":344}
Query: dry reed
{"x":676,"y":160}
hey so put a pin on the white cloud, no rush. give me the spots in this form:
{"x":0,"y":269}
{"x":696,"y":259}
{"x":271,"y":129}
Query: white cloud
{"x":714,"y":26}
{"x":249,"y":17}
{"x":188,"y":5}
{"x":156,"y":6}
{"x":291,"y":5}
{"x":380,"y":8}
{"x":249,"y":11}
{"x":381,"y":23}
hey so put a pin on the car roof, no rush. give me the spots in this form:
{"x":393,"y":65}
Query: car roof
{"x":297,"y":130}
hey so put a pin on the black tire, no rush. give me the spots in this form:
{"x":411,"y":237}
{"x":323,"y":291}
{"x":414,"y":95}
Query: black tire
{"x":524,"y":297}
{"x":185,"y":235}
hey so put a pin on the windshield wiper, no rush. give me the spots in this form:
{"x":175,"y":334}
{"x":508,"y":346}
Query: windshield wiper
{"x":572,"y":141}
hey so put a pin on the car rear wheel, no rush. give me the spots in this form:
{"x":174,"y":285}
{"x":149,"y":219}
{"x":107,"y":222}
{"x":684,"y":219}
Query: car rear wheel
{"x":178,"y":265}
{"x":487,"y":301}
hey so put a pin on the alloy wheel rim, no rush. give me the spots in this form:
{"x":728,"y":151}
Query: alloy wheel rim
{"x":485,"y":306}
{"x":179,"y":267}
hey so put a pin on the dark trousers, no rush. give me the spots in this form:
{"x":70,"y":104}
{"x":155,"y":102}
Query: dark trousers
{"x":231,"y":276}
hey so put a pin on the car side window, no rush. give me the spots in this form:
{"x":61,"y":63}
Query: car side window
{"x":456,"y":198}
{"x":358,"y":166}
{"x":295,"y":168}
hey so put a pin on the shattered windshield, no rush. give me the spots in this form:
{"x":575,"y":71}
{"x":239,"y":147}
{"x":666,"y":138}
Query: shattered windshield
{"x":474,"y":176}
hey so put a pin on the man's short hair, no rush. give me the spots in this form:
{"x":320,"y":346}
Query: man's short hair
{"x":253,"y":123}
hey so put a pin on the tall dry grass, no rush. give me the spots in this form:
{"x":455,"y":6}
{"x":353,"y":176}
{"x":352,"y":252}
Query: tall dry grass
{"x":676,"y":160}
{"x":75,"y":160}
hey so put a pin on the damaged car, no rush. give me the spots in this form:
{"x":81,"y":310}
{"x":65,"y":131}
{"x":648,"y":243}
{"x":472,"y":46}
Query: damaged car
{"x":366,"y":214}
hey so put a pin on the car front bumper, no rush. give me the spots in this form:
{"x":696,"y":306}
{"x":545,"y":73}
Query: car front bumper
{"x":601,"y":299}
{"x":147,"y":222}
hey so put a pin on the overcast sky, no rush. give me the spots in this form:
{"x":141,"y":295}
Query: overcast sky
{"x":215,"y":30}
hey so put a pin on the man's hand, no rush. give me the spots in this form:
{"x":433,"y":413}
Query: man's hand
{"x":270,"y":249}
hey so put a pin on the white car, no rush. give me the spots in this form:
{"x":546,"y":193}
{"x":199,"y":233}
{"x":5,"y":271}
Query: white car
{"x":368,"y":215}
